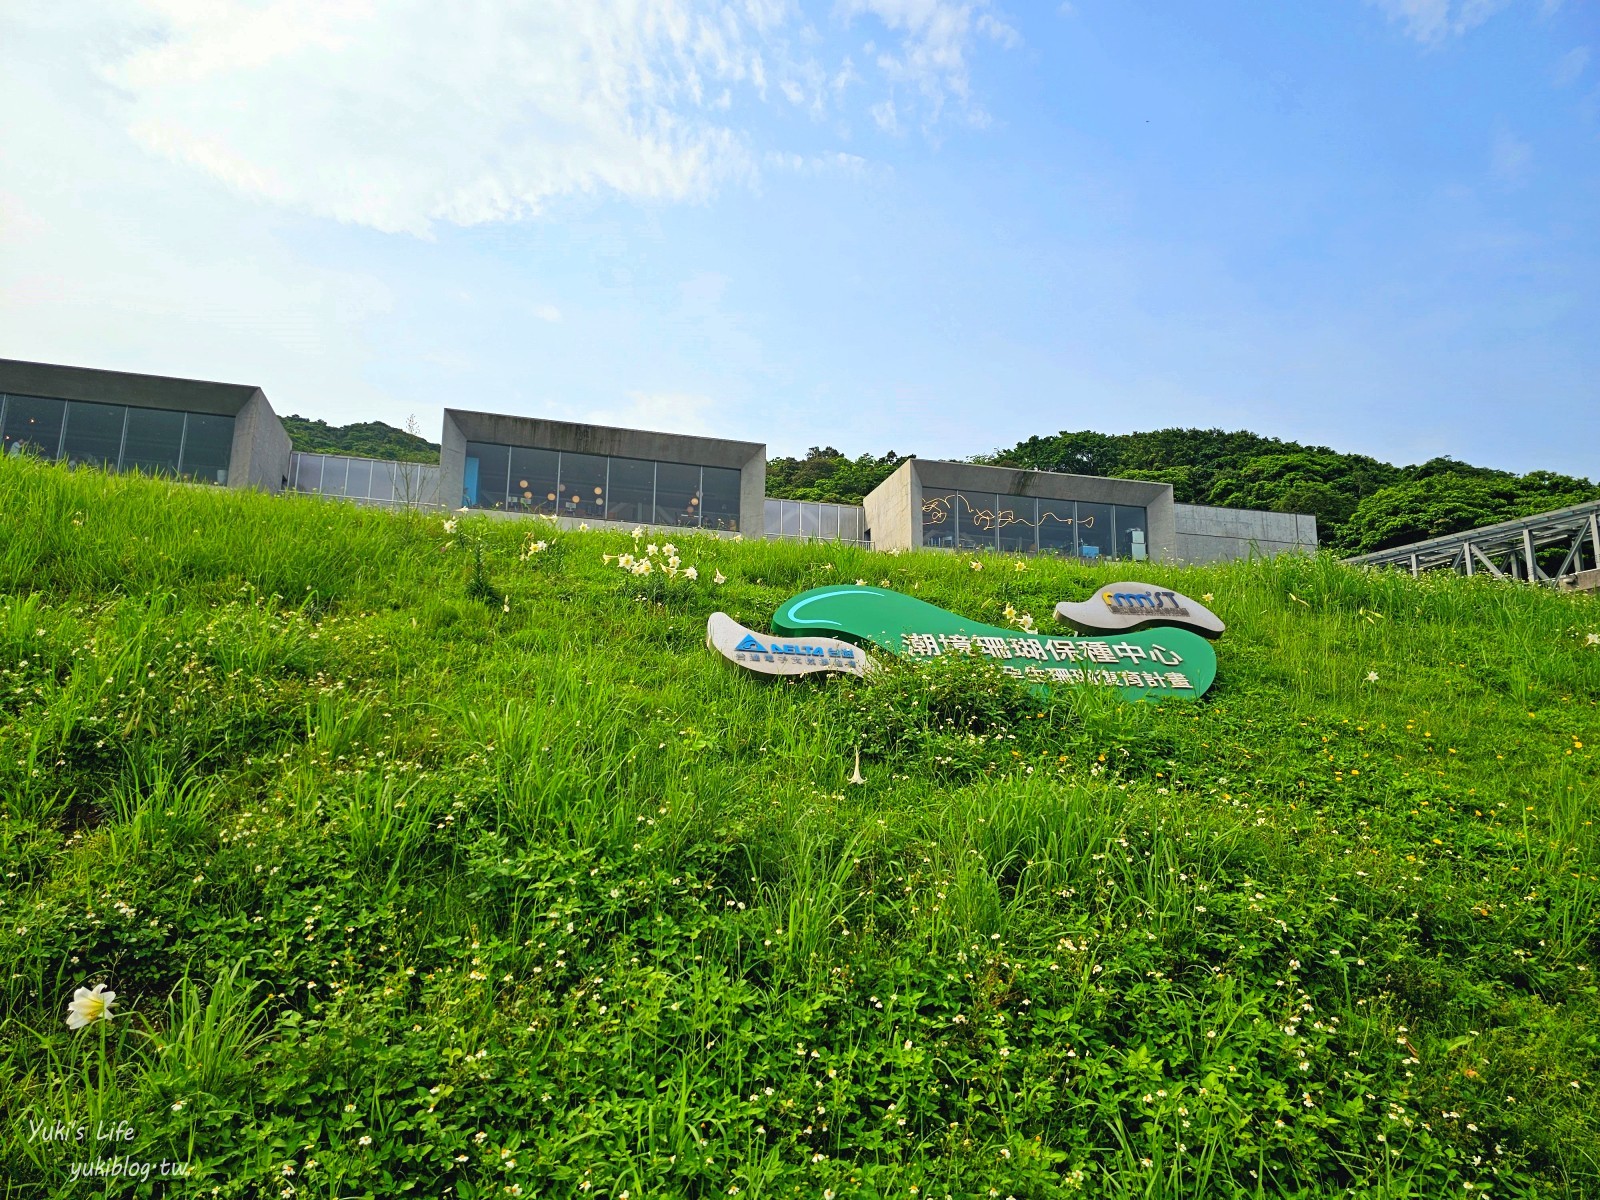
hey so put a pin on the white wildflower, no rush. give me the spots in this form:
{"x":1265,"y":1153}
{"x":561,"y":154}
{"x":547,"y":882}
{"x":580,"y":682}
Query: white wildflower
{"x":90,"y":1006}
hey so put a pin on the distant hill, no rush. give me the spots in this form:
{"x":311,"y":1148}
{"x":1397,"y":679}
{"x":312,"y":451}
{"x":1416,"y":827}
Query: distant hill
{"x":367,"y":439}
{"x":1361,"y":504}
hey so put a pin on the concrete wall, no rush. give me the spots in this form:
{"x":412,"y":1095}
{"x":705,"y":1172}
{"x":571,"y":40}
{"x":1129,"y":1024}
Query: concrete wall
{"x":1206,"y":534}
{"x":261,"y":447}
{"x":894,"y":507}
{"x":894,"y":511}
{"x":461,"y":427}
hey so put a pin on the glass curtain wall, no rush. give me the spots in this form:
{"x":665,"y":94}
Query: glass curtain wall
{"x":594,"y":487}
{"x":798,"y":518}
{"x":118,"y":437}
{"x":403,"y":484}
{"x":1025,"y":525}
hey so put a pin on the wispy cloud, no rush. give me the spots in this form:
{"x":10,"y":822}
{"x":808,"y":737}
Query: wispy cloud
{"x":1571,"y":66}
{"x":404,"y":115}
{"x":1433,"y":21}
{"x":1510,"y":158}
{"x":679,"y":412}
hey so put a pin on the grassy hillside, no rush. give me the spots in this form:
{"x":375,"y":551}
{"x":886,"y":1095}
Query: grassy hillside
{"x":426,"y":861}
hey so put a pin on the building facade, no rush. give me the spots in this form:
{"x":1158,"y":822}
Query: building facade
{"x":964,"y":506}
{"x":928,"y":504}
{"x":594,"y":473}
{"x":217,"y":433}
{"x":578,"y":474}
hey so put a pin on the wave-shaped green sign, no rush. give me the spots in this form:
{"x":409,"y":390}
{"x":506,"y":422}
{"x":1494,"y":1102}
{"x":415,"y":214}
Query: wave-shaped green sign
{"x":1147,"y":664}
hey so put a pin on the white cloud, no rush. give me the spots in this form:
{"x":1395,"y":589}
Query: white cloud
{"x":1572,"y":65}
{"x":1433,"y":21}
{"x":547,"y":312}
{"x":1510,"y":158}
{"x":677,"y":412}
{"x":406,"y":114}
{"x":936,"y":37}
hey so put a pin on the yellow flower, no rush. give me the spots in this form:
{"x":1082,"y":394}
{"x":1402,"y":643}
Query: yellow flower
{"x":88,"y":1007}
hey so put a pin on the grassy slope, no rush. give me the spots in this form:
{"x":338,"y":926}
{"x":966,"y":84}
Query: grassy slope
{"x":548,"y":898}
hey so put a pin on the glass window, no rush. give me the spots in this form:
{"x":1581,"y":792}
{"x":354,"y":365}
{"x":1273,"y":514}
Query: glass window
{"x":829,"y":527}
{"x":151,"y":441}
{"x":359,"y":481}
{"x":1095,"y":530}
{"x":632,"y":491}
{"x":484,"y":481}
{"x":534,"y":480}
{"x":719,"y":498}
{"x":1131,"y":533}
{"x":1058,"y":531}
{"x":850,"y":524}
{"x":678,"y":494}
{"x":1015,"y":518}
{"x":33,"y":425}
{"x":93,"y":434}
{"x":308,"y":467}
{"x":383,"y":480}
{"x":207,"y":447}
{"x":939,"y":519}
{"x":582,"y":489}
{"x":975,"y":528}
{"x":791,"y":518}
{"x":810,"y":519}
{"x":772,"y":517}
{"x":335,"y":470}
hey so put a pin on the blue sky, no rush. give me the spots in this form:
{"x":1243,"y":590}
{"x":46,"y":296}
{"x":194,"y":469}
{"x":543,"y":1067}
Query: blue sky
{"x":933,"y":226}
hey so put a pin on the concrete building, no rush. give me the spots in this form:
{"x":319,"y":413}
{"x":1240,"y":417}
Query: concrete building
{"x":595,"y":473}
{"x":964,"y":506}
{"x":220,"y":433}
{"x":227,"y":434}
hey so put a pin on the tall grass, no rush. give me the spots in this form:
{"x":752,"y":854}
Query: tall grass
{"x":541,"y":895}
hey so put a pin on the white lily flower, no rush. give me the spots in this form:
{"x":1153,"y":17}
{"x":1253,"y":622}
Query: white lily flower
{"x":90,"y":1006}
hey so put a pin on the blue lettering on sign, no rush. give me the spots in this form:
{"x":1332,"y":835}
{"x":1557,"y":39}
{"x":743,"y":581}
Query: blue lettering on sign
{"x":750,"y":643}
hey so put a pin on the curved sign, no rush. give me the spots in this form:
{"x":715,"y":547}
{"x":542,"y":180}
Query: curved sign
{"x":1145,"y":664}
{"x":1123,"y":607}
{"x":761,"y":653}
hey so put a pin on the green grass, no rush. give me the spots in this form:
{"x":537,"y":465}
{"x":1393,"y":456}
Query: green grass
{"x":412,"y":879}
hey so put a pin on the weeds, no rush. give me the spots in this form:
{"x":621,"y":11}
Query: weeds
{"x":521,"y":891}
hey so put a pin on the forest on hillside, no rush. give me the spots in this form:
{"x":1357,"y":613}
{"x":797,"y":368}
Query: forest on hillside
{"x":365,"y":439}
{"x":1361,"y":503}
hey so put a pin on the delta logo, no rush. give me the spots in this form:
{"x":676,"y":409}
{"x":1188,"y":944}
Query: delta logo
{"x":749,"y":645}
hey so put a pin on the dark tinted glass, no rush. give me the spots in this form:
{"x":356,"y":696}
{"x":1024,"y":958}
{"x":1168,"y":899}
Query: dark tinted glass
{"x":677,"y":494}
{"x":207,"y":447}
{"x":939,"y":519}
{"x":33,"y":425}
{"x":1057,"y":527}
{"x":1015,"y":517}
{"x":484,"y":481}
{"x":719,"y":500}
{"x":1131,"y":537}
{"x":93,"y":434}
{"x":975,"y":529}
{"x":1095,"y":532}
{"x":533,"y":480}
{"x":633,"y":490}
{"x":583,"y":486}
